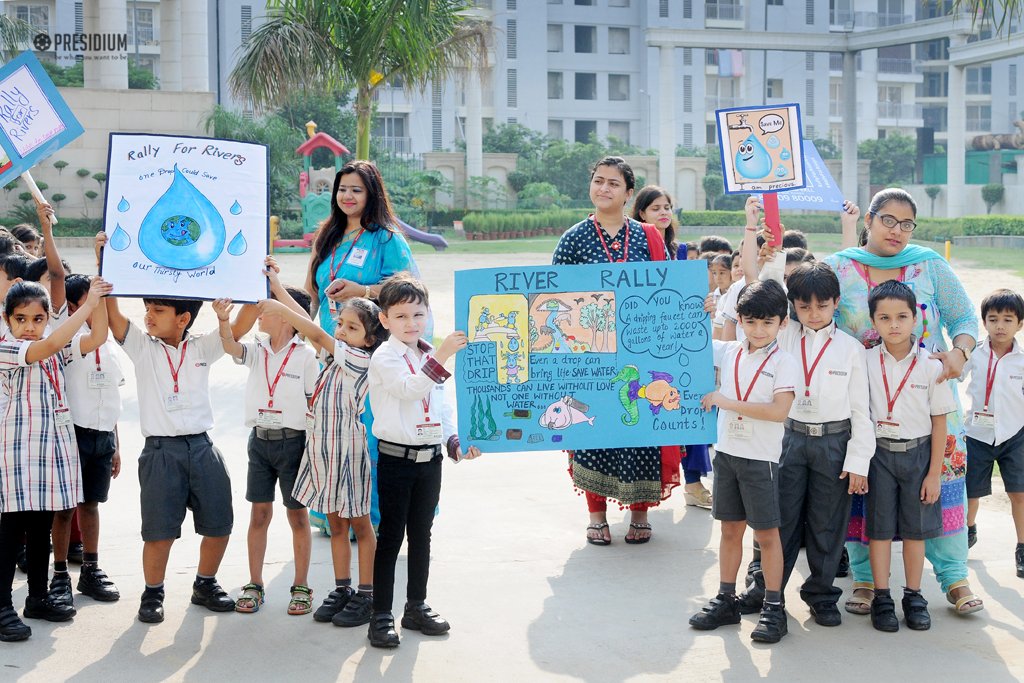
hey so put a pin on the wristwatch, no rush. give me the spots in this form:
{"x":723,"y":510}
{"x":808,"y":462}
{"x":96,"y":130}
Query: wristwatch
{"x":964,"y":350}
{"x":367,"y":294}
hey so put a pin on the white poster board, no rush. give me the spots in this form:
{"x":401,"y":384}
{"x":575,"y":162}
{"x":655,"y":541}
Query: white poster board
{"x":186,"y":217}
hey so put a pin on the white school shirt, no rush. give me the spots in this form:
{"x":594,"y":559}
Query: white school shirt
{"x":294,"y":388}
{"x":94,"y":407}
{"x":779,"y":375}
{"x":5,"y":334}
{"x":731,"y":298}
{"x":397,"y":395}
{"x":155,"y":384}
{"x":922,"y":397}
{"x":839,"y":387}
{"x":1007,"y":399}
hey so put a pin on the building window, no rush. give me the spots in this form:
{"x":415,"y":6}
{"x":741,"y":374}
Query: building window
{"x":619,"y":130}
{"x":809,"y":12}
{"x":711,"y":134}
{"x":246,"y":21}
{"x":618,"y":41}
{"x":687,"y":56}
{"x":79,"y":18}
{"x":142,"y":27}
{"x":436,"y":123}
{"x":775,"y":3}
{"x":688,"y":135}
{"x":935,"y":84}
{"x":835,"y":99}
{"x":556,"y":129}
{"x":36,"y":15}
{"x":585,"y":130}
{"x":512,"y":93}
{"x":979,"y":118}
{"x":586,"y":39}
{"x":687,"y":9}
{"x":723,"y":9}
{"x":554,"y":2}
{"x":809,"y":98}
{"x":810,"y":133}
{"x":586,"y":86}
{"x":618,"y":3}
{"x":809,"y":61}
{"x":774,"y":88}
{"x":554,"y":37}
{"x":935,"y":118}
{"x":687,"y":93}
{"x":663,"y":9}
{"x":554,"y":85}
{"x":511,"y":28}
{"x":1012,"y":77}
{"x":585,"y":3}
{"x":510,"y":4}
{"x":979,"y":80}
{"x":618,"y":87}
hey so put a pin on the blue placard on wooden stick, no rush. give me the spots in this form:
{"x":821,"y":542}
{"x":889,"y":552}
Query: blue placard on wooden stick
{"x":575,"y":357}
{"x":35,"y":121}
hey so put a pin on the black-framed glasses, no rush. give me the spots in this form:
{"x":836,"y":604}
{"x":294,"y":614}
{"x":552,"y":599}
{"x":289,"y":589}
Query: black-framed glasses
{"x":890,"y":221}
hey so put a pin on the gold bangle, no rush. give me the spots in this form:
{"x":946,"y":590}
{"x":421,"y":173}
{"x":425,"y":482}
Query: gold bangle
{"x":367,"y":295}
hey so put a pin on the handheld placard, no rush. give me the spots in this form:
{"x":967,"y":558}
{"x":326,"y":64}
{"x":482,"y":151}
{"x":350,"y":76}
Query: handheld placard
{"x":773,"y":225}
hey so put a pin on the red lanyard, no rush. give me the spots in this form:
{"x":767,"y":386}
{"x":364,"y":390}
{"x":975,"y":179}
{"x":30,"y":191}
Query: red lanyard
{"x":98,"y":368}
{"x":426,"y":401}
{"x":808,"y":374}
{"x":316,"y":391}
{"x":757,"y":375}
{"x":891,"y":401}
{"x":332,"y":269}
{"x":52,"y":376}
{"x":176,"y":370}
{"x":280,"y":371}
{"x":990,"y":376}
{"x":625,"y":241}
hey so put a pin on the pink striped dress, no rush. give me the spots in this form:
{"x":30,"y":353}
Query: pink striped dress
{"x":39,"y":467}
{"x":334,"y":476}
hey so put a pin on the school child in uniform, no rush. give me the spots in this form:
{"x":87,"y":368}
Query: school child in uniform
{"x":39,"y":471}
{"x":829,"y":438}
{"x":94,"y":379}
{"x":334,"y":474}
{"x":908,"y":407}
{"x":758,"y":382}
{"x":179,"y":467}
{"x":282,"y":372}
{"x":995,"y":424}
{"x":415,"y":426}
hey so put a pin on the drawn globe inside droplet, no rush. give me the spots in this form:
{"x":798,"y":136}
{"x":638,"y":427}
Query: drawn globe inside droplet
{"x":183,"y":229}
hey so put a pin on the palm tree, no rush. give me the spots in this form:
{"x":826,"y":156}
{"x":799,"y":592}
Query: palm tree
{"x":360,"y":44}
{"x":14,"y":35}
{"x":999,"y":14}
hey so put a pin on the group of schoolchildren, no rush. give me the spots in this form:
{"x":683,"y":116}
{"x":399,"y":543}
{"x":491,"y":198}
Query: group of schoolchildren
{"x":59,"y":405}
{"x":842,"y":420}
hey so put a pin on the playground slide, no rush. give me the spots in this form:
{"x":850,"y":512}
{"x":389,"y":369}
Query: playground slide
{"x":438,"y":242}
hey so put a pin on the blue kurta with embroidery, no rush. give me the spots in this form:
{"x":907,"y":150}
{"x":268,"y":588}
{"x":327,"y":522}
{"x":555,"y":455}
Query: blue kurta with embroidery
{"x":628,"y":475}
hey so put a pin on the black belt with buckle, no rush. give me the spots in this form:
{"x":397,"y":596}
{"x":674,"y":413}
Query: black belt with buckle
{"x":900,"y":445}
{"x":820,"y":428}
{"x":415,"y":453}
{"x":278,"y":434}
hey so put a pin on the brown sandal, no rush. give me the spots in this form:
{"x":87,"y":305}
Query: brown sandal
{"x":858,"y":604}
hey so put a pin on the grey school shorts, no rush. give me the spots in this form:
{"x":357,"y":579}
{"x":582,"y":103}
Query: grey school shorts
{"x":96,"y":455}
{"x":893,"y":504}
{"x":179,"y":473}
{"x":274,"y":462}
{"x":981,"y":456}
{"x":746,"y":490}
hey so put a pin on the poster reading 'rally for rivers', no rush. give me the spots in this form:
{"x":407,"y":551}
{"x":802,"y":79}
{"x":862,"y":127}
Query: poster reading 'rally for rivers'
{"x":574,"y":357}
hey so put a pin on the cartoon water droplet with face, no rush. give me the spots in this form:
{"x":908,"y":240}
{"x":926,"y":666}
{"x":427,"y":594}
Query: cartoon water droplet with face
{"x":183,"y":229}
{"x":785,"y":155}
{"x":772,"y":142}
{"x":781,"y":171}
{"x":752,"y":159}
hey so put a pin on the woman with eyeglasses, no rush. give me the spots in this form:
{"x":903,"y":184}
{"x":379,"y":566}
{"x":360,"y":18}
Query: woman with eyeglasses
{"x":886,"y":254}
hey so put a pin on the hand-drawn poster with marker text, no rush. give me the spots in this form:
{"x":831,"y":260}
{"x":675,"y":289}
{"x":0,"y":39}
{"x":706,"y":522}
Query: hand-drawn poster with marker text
{"x":761,"y":148}
{"x":186,"y":217}
{"x":35,"y":121}
{"x":586,"y":356}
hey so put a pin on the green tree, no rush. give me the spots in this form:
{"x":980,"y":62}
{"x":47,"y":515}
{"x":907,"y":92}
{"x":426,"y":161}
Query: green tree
{"x":513,"y":138}
{"x":932,"y":191}
{"x":541,"y":196}
{"x":591,"y":318}
{"x":992,"y":194}
{"x":331,"y":47}
{"x":892,"y":159}
{"x":13,"y":34}
{"x":332,"y":115}
{"x":141,"y":79}
{"x":1001,"y":14}
{"x":827,"y":149}
{"x":714,"y":187}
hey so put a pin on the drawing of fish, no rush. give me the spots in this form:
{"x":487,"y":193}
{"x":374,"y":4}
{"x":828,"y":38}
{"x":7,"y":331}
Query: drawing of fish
{"x":565,"y":413}
{"x":659,"y":393}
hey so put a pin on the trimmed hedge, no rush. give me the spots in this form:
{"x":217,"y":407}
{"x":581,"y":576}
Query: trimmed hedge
{"x":993,"y":225}
{"x":498,"y":222}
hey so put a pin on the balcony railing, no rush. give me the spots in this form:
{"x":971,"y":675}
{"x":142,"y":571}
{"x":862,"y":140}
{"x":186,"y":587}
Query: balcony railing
{"x":726,"y":11}
{"x":395,"y":145}
{"x":711,"y":103}
{"x":895,"y":65}
{"x":898,"y":110}
{"x":979,"y":124}
{"x":891,"y":19}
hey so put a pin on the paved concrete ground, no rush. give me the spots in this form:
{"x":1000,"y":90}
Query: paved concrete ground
{"x":529,"y":600}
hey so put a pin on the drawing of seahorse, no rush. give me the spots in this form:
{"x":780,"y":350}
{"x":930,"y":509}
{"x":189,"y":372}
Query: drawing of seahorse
{"x":659,"y":393}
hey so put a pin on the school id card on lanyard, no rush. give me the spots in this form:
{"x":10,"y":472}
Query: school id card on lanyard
{"x":807,"y":405}
{"x":986,"y":417}
{"x":890,"y":428}
{"x":269,"y":418}
{"x":98,"y":379}
{"x":428,"y":430}
{"x":175,"y":401}
{"x":355,"y":257}
{"x":61,"y":414}
{"x":737,"y":427}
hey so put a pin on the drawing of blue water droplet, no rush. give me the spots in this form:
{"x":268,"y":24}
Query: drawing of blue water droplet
{"x":772,"y":141}
{"x":183,"y":229}
{"x":781,"y":171}
{"x":123,"y":205}
{"x":120,"y":240}
{"x":236,"y":208}
{"x":238,"y":245}
{"x":785,"y":155}
{"x":752,"y":159}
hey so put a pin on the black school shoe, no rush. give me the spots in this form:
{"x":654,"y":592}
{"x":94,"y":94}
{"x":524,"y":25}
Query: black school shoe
{"x":151,"y":609}
{"x":826,"y":614}
{"x":751,"y":600}
{"x":47,"y":608}
{"x":915,"y":611}
{"x":772,"y":625}
{"x":357,"y":611}
{"x":12,"y":628}
{"x":883,"y":614}
{"x":333,"y":604}
{"x":723,"y":610}
{"x":60,"y":589}
{"x":425,"y":620}
{"x":972,"y":535}
{"x":382,"y":630}
{"x":93,"y":581}
{"x":1018,"y":556}
{"x":843,"y":570}
{"x":210,"y":595}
